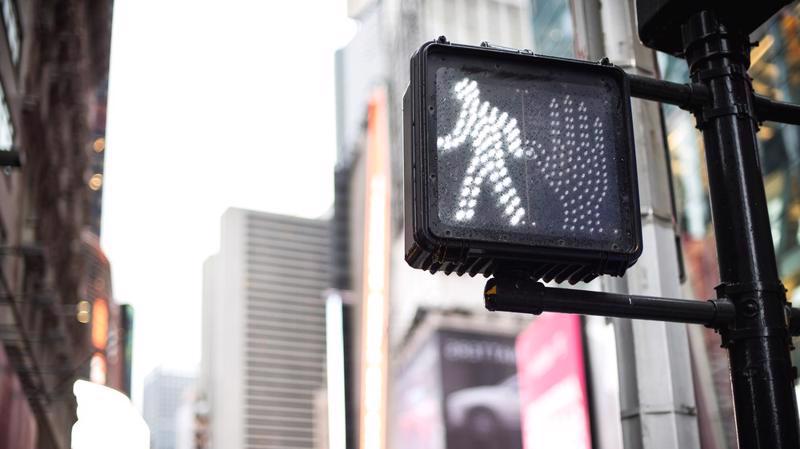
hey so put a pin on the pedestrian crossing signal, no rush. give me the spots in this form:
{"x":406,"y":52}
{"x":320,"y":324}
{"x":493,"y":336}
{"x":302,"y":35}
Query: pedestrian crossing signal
{"x":518,"y":162}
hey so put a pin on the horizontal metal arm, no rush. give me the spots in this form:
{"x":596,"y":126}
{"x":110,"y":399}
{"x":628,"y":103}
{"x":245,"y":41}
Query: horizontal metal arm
{"x":693,"y":96}
{"x":527,"y":296}
{"x":769,"y":110}
{"x":685,"y":96}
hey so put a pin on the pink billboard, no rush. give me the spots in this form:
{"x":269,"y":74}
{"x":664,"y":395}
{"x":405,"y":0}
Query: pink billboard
{"x":552,"y":384}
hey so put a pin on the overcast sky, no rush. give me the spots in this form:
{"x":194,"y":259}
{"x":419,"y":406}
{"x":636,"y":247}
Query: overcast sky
{"x":211,"y":105}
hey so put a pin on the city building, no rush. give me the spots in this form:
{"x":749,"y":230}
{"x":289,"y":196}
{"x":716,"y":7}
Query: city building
{"x":54,"y":57}
{"x":164,"y":394}
{"x":263,"y":329}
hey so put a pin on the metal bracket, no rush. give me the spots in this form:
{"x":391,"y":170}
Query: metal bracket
{"x":692,"y":96}
{"x":522,"y":295}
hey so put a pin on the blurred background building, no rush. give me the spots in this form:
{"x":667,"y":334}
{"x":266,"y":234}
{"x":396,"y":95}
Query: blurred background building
{"x":263,"y":356}
{"x":165,"y":391}
{"x":58,"y":317}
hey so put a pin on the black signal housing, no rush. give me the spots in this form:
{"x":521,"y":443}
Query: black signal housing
{"x":518,"y":162}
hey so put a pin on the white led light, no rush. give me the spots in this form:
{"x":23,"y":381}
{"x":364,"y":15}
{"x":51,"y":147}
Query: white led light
{"x":565,"y":171}
{"x":570,"y":159}
{"x":488,"y":127}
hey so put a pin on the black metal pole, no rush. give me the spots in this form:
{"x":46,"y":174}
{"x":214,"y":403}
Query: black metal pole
{"x":758,"y":339}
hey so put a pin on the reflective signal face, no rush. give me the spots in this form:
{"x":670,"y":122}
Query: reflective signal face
{"x":536,"y":158}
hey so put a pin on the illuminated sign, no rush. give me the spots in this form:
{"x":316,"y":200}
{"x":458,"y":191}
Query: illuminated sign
{"x":375,"y":307}
{"x":552,"y":384}
{"x":100,"y":323}
{"x":98,"y":369}
{"x":519,"y":162}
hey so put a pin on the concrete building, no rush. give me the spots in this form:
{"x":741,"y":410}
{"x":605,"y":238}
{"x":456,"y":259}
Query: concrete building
{"x":264,"y":330}
{"x":54,"y":57}
{"x":164,"y":393}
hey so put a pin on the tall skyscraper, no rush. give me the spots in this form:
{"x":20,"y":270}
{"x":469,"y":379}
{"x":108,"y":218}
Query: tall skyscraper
{"x":163,"y":395}
{"x":264,"y":329}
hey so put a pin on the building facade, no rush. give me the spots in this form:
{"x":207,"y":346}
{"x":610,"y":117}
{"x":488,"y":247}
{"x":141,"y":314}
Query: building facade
{"x":54,"y":57}
{"x":264,"y":330}
{"x":164,"y":394}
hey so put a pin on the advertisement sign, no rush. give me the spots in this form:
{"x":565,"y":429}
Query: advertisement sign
{"x":375,"y":302}
{"x":417,"y":400}
{"x":552,"y":384}
{"x":458,"y":391}
{"x":479,"y":383}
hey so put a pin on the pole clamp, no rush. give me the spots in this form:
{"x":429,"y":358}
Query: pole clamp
{"x":737,"y":109}
{"x":728,"y":289}
{"x":719,"y":72}
{"x":730,"y":336}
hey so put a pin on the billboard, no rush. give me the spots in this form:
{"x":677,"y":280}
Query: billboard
{"x":418,"y":422}
{"x":552,"y":384}
{"x":479,"y":383}
{"x":459,"y":390}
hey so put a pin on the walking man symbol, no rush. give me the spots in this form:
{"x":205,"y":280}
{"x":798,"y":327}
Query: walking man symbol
{"x":572,"y":163}
{"x":494,"y":136}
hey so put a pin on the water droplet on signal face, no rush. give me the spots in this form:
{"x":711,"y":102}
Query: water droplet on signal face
{"x":493,"y":136}
{"x":564,"y":156}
